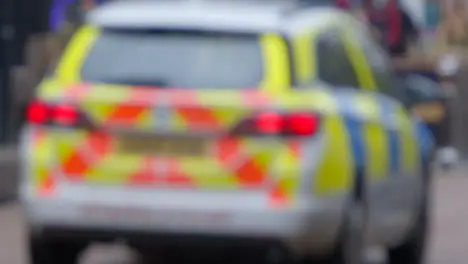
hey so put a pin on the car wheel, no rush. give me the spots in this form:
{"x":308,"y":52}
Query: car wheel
{"x":412,"y":250}
{"x":350,"y":245}
{"x":43,"y":251}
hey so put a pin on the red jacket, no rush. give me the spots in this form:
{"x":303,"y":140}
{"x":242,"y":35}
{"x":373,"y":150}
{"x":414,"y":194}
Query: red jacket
{"x":342,"y":4}
{"x":388,"y":21}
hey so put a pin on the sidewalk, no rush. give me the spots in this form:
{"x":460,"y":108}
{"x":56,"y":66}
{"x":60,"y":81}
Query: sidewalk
{"x":8,"y":172}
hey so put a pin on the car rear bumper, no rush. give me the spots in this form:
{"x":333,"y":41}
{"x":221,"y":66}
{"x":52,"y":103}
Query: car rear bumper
{"x":102,"y":214}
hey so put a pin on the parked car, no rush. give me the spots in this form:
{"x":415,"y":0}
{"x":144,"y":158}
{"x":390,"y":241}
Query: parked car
{"x":194,"y":126}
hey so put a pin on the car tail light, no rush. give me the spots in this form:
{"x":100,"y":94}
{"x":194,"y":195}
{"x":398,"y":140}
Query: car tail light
{"x":273,"y":123}
{"x":301,"y":124}
{"x":268,"y":123}
{"x":37,"y":113}
{"x":62,"y":114}
{"x":65,"y":115}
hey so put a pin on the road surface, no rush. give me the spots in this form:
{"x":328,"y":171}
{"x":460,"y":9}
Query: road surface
{"x":448,"y":245}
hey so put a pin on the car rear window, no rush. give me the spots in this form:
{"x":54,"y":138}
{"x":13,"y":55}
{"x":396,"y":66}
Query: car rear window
{"x":181,"y":59}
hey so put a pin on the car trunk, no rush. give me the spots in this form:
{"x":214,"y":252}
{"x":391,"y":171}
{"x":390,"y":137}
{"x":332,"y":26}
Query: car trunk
{"x":165,"y":137}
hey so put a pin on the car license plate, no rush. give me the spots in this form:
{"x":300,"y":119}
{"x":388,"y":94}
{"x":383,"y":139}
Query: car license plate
{"x":430,"y":112}
{"x":133,"y":215}
{"x":124,"y":214}
{"x":162,"y":146}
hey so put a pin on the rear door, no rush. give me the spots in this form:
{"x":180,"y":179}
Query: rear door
{"x":360,"y":111}
{"x":403,"y":154}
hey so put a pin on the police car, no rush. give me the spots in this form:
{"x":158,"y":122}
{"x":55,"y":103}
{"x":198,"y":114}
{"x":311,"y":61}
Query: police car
{"x":221,"y":127}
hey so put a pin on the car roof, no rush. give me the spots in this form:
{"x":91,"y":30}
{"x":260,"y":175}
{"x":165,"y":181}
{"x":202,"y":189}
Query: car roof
{"x":232,"y":16}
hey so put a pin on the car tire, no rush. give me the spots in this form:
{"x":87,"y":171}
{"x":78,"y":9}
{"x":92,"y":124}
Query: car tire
{"x":42,"y":251}
{"x":413,"y":249}
{"x":351,"y":242}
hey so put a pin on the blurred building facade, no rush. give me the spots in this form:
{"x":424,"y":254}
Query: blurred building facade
{"x":19,"y":19}
{"x":33,"y":35}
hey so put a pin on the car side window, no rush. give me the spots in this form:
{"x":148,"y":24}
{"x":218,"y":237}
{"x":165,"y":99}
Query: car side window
{"x":333,"y":64}
{"x":386,"y":79}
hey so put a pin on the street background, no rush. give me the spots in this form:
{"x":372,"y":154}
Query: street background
{"x":449,"y":243}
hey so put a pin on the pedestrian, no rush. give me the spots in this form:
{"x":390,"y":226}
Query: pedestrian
{"x":400,"y":35}
{"x":398,"y":32}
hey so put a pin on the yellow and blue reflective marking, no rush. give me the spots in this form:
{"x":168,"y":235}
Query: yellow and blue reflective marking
{"x":334,"y":172}
{"x":374,"y":136}
{"x":387,"y":109}
{"x":391,"y":130}
{"x":424,"y":137}
{"x":383,"y":140}
{"x":353,"y":127}
{"x":410,"y":152}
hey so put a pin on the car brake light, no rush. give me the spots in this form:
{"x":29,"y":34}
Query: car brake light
{"x":37,"y":113}
{"x":64,"y":115}
{"x":272,"y":123}
{"x":269,"y":123}
{"x":41,"y":113}
{"x":302,"y":124}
